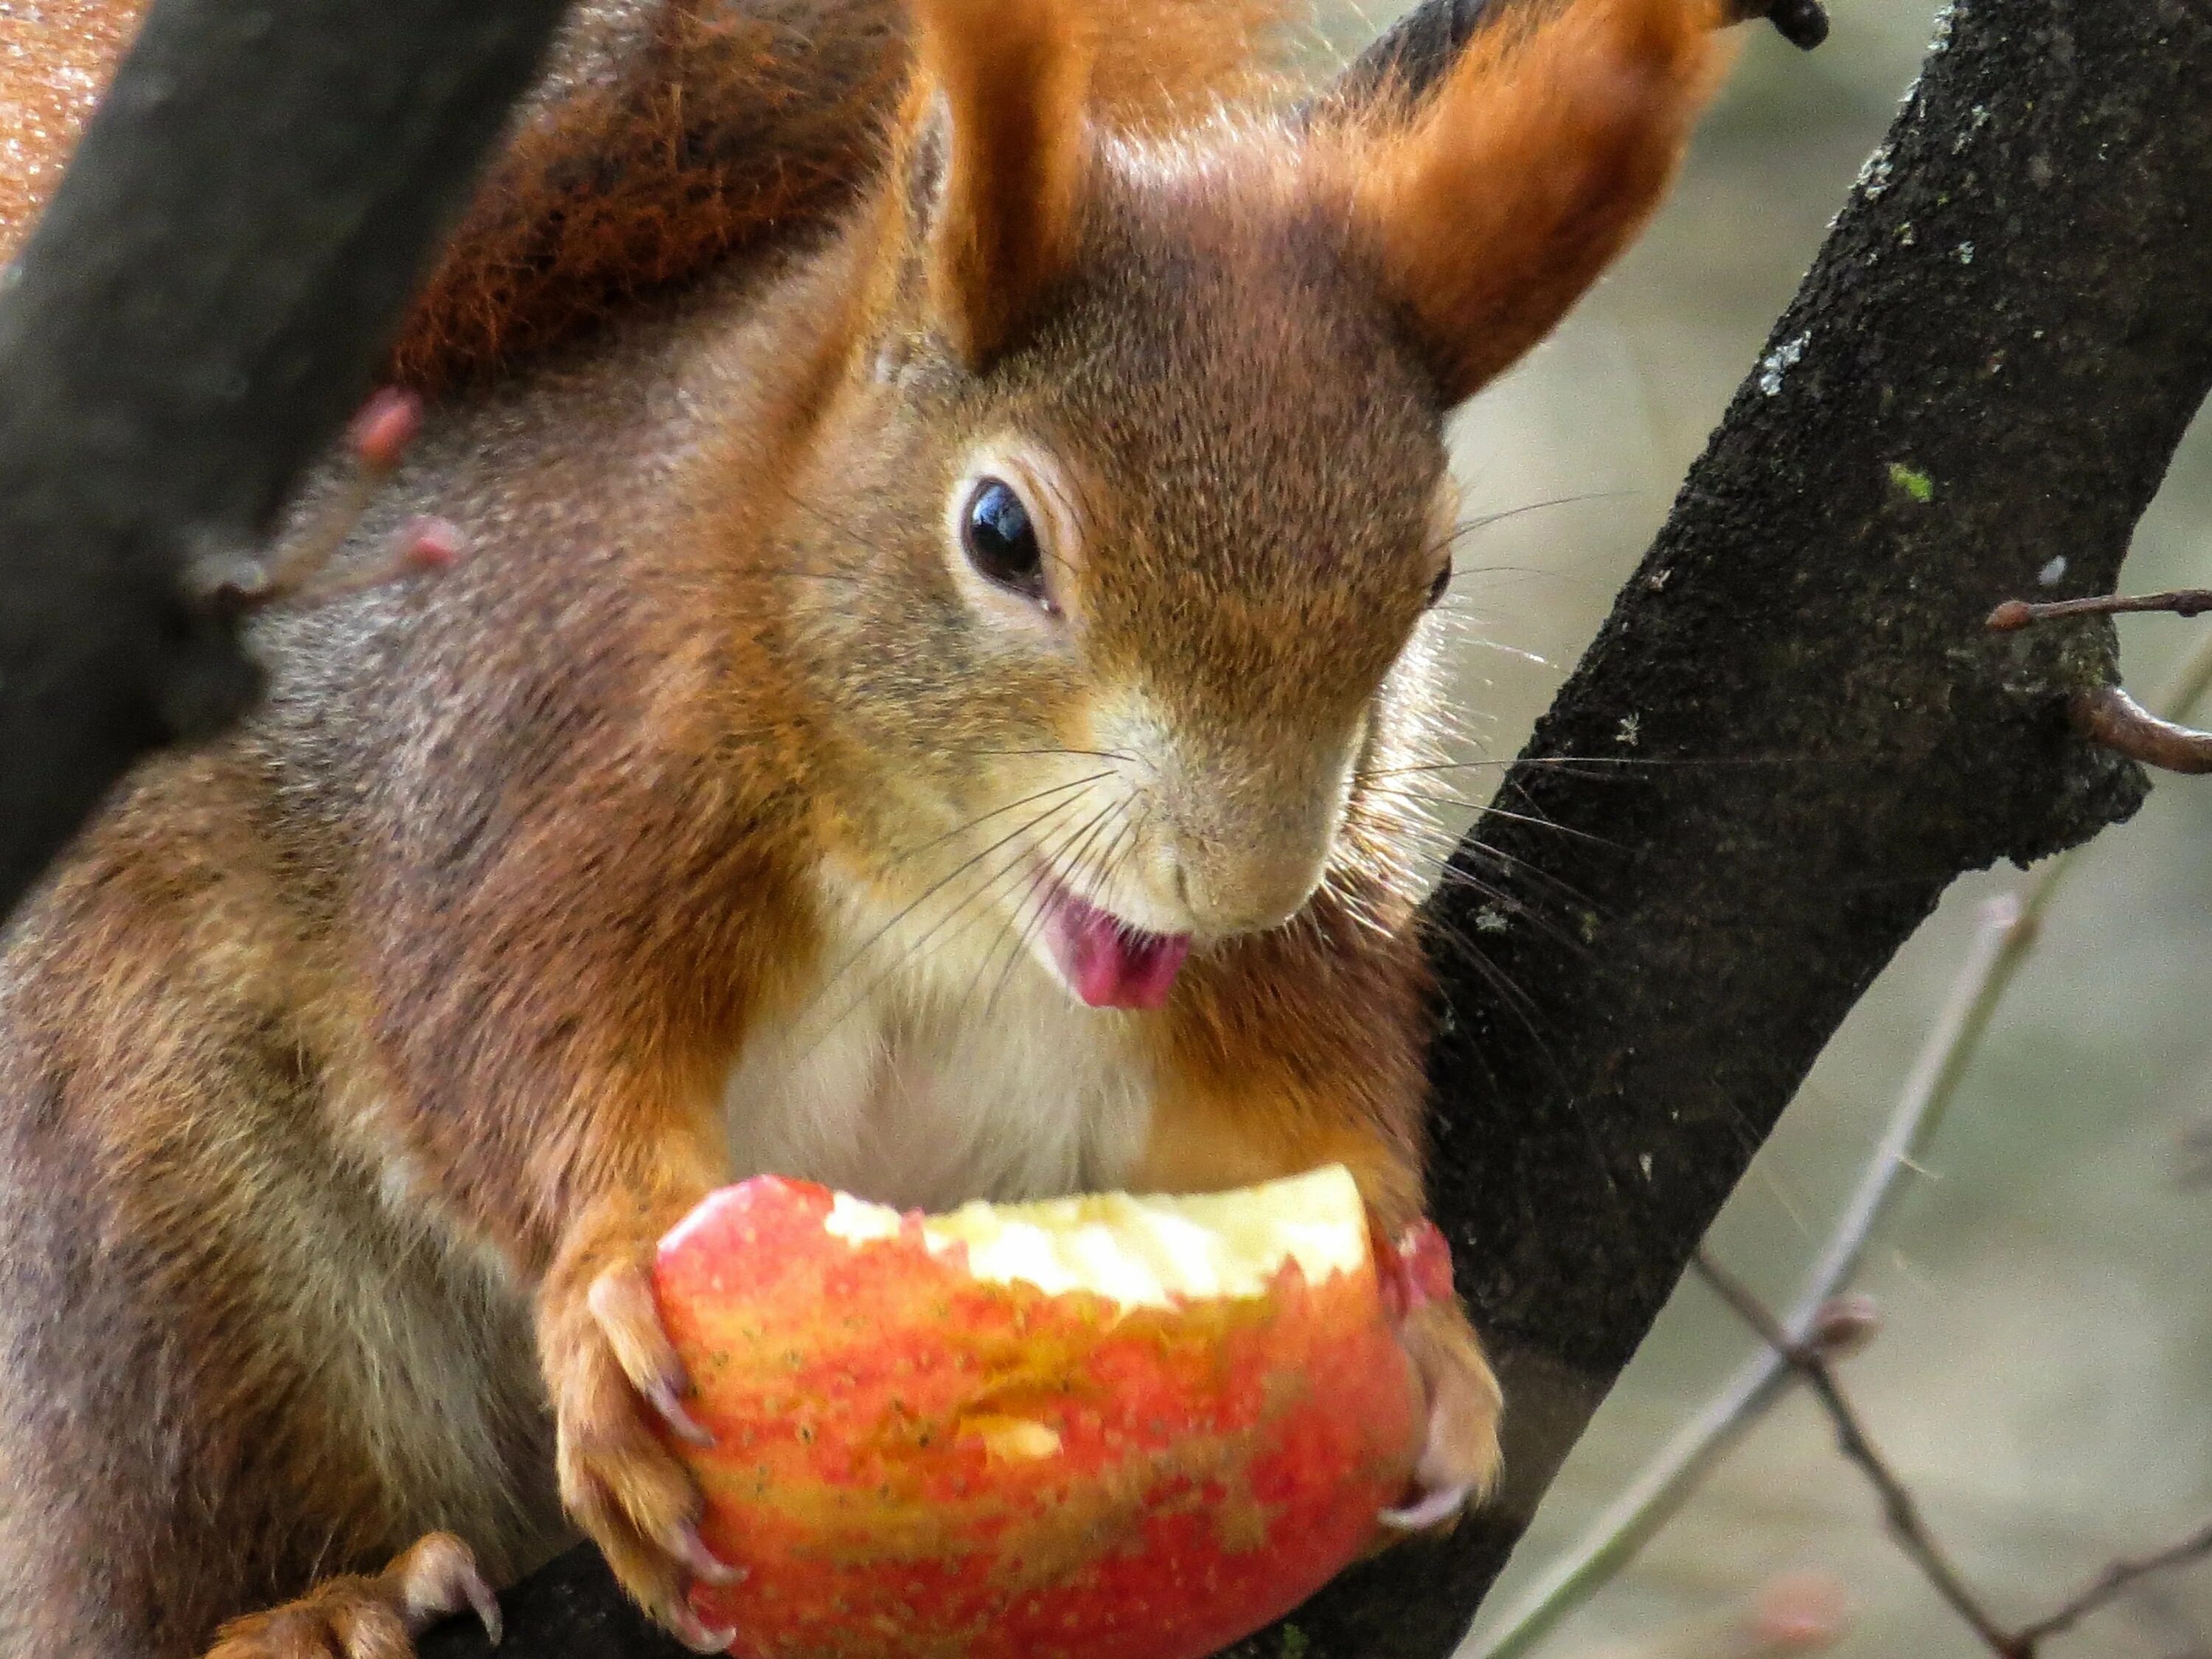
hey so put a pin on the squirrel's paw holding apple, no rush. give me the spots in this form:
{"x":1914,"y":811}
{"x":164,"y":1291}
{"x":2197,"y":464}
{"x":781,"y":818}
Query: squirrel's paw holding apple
{"x":614,"y":1379}
{"x":1458,"y":1463}
{"x":1459,"y":1459}
{"x":379,"y":1618}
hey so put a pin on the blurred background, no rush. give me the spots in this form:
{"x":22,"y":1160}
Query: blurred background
{"x":2044,"y":1377}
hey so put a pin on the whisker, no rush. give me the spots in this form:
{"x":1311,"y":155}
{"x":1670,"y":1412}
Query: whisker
{"x":1508,"y":762}
{"x":1520,"y":866}
{"x":935,"y":887}
{"x":1091,"y":754}
{"x":1493,"y":810}
{"x":1024,"y":932}
{"x":912,"y":852}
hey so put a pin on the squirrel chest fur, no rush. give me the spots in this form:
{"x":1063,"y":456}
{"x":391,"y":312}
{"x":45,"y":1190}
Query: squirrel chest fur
{"x":929,"y":706}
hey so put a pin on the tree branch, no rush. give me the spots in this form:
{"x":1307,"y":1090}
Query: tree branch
{"x":2108,"y":715}
{"x":201,"y":305}
{"x":2008,"y":931}
{"x":1901,"y":1511}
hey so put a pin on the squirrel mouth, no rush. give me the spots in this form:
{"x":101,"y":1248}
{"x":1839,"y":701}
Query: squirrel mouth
{"x":1106,"y":962}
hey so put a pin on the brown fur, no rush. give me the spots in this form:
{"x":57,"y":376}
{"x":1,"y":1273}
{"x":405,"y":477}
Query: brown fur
{"x":660,"y":139}
{"x":1548,"y":147}
{"x":350,"y":1068}
{"x":1014,"y":78}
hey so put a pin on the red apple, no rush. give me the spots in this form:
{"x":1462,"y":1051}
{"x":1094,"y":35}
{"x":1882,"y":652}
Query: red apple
{"x":1095,"y":1428}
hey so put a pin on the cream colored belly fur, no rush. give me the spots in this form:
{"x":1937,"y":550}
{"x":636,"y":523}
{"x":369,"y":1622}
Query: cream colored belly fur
{"x":933,"y":1062}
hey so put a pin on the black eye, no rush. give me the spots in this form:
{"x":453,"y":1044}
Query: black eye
{"x":1440,"y":586}
{"x":1000,"y":541}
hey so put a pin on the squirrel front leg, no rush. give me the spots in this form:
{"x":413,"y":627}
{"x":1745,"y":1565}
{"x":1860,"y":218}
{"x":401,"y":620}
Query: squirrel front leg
{"x":644,"y":1160}
{"x":1282,"y":1056}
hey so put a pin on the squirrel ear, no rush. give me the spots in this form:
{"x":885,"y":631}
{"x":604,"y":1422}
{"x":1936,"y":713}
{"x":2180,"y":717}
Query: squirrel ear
{"x":1008,"y":81}
{"x":1493,"y":189}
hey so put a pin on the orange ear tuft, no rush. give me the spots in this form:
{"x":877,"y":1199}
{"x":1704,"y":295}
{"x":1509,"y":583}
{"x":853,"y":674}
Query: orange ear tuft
{"x":1497,"y":201}
{"x":1011,"y":80}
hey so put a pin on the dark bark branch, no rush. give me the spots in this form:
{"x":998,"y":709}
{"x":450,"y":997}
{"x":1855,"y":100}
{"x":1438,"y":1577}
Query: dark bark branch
{"x":201,"y":305}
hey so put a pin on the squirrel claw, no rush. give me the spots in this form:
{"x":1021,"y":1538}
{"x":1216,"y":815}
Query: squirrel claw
{"x":438,"y":1577}
{"x":1429,"y":1509}
{"x":661,"y":1396}
{"x":360,"y":1618}
{"x":704,"y":1564}
{"x":620,"y":1389}
{"x":621,"y":1301}
{"x":695,"y":1634}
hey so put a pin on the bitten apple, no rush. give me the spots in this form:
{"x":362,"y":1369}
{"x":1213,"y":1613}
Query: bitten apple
{"x":1095,"y":1428}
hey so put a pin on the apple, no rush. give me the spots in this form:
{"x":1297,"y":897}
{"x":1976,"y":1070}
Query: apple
{"x":1105,"y":1427}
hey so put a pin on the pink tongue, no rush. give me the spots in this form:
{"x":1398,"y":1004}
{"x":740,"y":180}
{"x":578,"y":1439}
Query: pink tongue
{"x":1109,"y":966}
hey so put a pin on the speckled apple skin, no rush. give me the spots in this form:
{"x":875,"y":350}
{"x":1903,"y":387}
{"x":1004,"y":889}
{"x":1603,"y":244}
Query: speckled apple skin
{"x":875,"y":1470}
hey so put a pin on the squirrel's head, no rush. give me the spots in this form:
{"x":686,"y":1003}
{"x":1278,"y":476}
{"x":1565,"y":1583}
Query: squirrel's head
{"x":1113,"y":534}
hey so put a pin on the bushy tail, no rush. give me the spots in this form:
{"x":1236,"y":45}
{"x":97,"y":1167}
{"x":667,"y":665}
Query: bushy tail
{"x":666,"y":135}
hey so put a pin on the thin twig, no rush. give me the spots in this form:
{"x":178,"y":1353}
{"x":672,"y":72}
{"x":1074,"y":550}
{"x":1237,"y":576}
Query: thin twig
{"x":301,"y":573}
{"x":2111,"y":1583}
{"x":2015,"y":614}
{"x":2110,"y":716}
{"x":1809,"y":1360}
{"x":2009,"y":926}
{"x":1900,"y":1510}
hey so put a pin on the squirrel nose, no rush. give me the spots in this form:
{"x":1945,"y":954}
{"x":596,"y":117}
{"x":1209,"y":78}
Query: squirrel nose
{"x":1248,"y":886}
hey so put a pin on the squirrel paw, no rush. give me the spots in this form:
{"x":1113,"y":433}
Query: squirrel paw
{"x":615,"y":1378}
{"x":1459,"y":1459}
{"x":379,"y":1618}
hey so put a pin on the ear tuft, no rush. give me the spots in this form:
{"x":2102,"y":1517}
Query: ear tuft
{"x":1009,"y":81}
{"x":1497,"y":200}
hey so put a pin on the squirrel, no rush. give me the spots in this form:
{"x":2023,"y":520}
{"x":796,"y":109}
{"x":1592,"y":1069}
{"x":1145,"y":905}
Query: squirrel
{"x":955,"y":493}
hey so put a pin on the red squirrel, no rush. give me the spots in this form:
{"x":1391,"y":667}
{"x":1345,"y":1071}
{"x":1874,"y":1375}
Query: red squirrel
{"x":928,"y":708}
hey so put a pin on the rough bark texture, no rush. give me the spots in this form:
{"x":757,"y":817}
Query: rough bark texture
{"x":201,"y":305}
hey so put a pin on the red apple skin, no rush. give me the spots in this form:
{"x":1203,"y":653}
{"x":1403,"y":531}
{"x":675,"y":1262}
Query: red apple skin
{"x":1218,"y":1461}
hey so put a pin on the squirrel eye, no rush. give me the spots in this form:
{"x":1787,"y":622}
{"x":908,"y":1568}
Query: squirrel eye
{"x":1440,"y":585}
{"x":1002,"y":543}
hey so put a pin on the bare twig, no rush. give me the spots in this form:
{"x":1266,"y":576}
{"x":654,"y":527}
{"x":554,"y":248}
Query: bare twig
{"x":2114,"y":1581}
{"x":2110,"y":716}
{"x":2014,"y":614}
{"x":301,"y":573}
{"x":1900,"y":1510}
{"x":1809,"y":1360}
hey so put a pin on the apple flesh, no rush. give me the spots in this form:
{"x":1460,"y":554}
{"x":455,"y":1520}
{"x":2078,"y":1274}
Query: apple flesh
{"x":1096,"y":1428}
